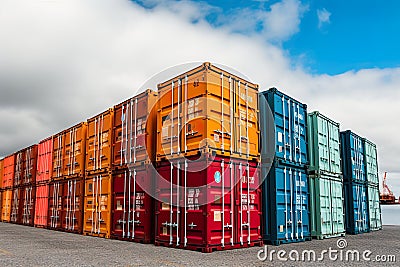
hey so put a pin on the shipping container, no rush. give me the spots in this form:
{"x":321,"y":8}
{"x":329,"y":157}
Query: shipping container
{"x":44,"y":160}
{"x":99,"y":143}
{"x":65,"y":212}
{"x":41,"y":204}
{"x":133,"y":205}
{"x":290,"y":118}
{"x":18,"y":168}
{"x":74,"y":151}
{"x":286,"y":210}
{"x":97,"y":205}
{"x":353,"y":160}
{"x":8,"y":171}
{"x":208,"y":204}
{"x":6,"y":205}
{"x":324,"y":145}
{"x":209,"y":110}
{"x":30,"y":164}
{"x":374,"y":208}
{"x":371,"y":162}
{"x":1,"y":173}
{"x":326,"y":206}
{"x":16,"y":206}
{"x":58,"y":156}
{"x":135,"y":125}
{"x":356,"y":207}
{"x":27,"y":198}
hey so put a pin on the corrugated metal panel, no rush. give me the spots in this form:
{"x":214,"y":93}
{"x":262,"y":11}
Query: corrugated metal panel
{"x":133,"y":207}
{"x":8,"y":171}
{"x":135,"y":125}
{"x":6,"y":205}
{"x":41,"y":204}
{"x":327,"y":207}
{"x":55,"y":205}
{"x":74,"y":151}
{"x":356,"y":207}
{"x":374,"y":208}
{"x":19,"y":168}
{"x":290,"y":118}
{"x":44,"y":160}
{"x":1,"y":173}
{"x":353,"y":161}
{"x":218,"y":204}
{"x":286,"y":208}
{"x":30,"y":164}
{"x":97,"y":205}
{"x":207,"y":109}
{"x":28,"y":193}
{"x":58,"y":156}
{"x":324,"y":144}
{"x":99,"y":142}
{"x":371,"y":162}
{"x":16,"y":206}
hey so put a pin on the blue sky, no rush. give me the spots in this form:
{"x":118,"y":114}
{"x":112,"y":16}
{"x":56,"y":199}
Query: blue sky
{"x":333,"y":36}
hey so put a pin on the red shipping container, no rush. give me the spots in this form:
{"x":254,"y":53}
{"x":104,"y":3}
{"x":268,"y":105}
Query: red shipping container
{"x":65,"y":205}
{"x":28,"y":204}
{"x":44,"y":160}
{"x":16,"y":206}
{"x":30,"y":164}
{"x":41,"y":205}
{"x":133,"y":207}
{"x":19,"y":167}
{"x":219,"y":204}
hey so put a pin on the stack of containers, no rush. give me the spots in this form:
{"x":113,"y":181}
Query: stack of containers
{"x":66,"y":189}
{"x":207,"y":195}
{"x":285,"y":189}
{"x":133,"y":172}
{"x":372,"y":179}
{"x":43,"y":175}
{"x":28,"y":191}
{"x":98,"y":176}
{"x":325,"y":177}
{"x":355,"y":190}
{"x":7,"y":184}
{"x":1,"y":184}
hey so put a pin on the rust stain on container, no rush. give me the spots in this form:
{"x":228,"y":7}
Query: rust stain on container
{"x":97,"y":205}
{"x":99,"y":143}
{"x":6,"y":205}
{"x":135,"y":125}
{"x":210,"y":110}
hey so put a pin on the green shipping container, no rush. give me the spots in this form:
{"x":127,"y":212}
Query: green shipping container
{"x":327,"y":207}
{"x":324,"y":144}
{"x":371,"y":162}
{"x":374,"y":208}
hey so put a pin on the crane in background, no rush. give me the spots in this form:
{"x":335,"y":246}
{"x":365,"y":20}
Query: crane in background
{"x":387,"y":196}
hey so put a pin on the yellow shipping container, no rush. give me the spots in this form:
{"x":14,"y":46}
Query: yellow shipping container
{"x":208,"y":110}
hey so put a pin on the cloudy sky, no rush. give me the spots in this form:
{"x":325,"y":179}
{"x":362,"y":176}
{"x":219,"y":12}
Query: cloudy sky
{"x":62,"y":61}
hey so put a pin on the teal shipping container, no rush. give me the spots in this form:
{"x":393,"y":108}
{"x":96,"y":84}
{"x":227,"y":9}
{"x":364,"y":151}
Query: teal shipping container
{"x":371,"y":162}
{"x":327,"y":207}
{"x":374,"y":208}
{"x":324,"y":145}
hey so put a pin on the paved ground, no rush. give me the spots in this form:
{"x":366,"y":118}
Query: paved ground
{"x":27,"y":246}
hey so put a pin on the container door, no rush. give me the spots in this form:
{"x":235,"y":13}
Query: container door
{"x":357,"y":158}
{"x":326,"y":201}
{"x":323,"y":144}
{"x":55,"y":204}
{"x":334,"y":149}
{"x":73,"y":190}
{"x":338,"y":225}
{"x":15,"y":205}
{"x":120,"y":208}
{"x":371,"y":163}
{"x":374,"y":208}
{"x":6,"y":205}
{"x":41,"y":205}
{"x":360,"y":208}
{"x":28,"y":205}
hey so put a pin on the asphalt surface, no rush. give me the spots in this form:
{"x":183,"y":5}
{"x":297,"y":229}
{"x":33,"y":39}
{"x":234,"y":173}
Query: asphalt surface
{"x":28,"y":246}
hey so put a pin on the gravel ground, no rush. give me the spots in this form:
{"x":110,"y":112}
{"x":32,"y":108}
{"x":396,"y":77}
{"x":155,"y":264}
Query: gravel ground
{"x":28,"y":246}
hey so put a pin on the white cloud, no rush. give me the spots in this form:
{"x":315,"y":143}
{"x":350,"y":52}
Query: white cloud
{"x":64,"y":61}
{"x":323,"y":17}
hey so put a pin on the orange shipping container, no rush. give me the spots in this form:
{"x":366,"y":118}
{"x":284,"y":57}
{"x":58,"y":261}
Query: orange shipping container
{"x":99,"y":143}
{"x":6,"y":205}
{"x":74,"y":156}
{"x":44,"y":160}
{"x":1,"y":173}
{"x":58,"y":156}
{"x":97,"y":207}
{"x":8,"y":171}
{"x":208,"y":109}
{"x":134,"y":127}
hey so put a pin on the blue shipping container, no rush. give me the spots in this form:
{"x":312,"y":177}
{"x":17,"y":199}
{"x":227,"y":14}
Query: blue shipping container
{"x":356,"y":207}
{"x":290,"y":118}
{"x":353,"y":161}
{"x":286,"y":205}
